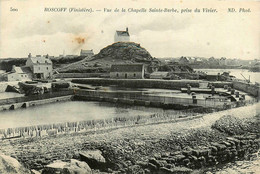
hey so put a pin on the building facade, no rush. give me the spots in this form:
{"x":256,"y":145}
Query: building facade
{"x":18,"y":74}
{"x":41,"y":67}
{"x":127,"y":71}
{"x":122,"y":36}
{"x":159,"y":75}
{"x":87,"y":53}
{"x":184,"y":60}
{"x":223,"y":61}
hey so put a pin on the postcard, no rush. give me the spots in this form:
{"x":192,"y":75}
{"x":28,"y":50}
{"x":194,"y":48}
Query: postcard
{"x":129,"y":86}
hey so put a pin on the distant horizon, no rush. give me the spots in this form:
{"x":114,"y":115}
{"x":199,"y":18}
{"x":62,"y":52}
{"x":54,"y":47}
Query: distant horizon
{"x":34,"y":30}
{"x":55,"y":56}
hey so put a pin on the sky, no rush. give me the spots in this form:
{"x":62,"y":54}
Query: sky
{"x":222,"y":34}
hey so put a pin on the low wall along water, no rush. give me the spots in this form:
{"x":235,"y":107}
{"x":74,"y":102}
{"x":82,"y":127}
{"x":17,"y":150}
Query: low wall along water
{"x":148,"y":83}
{"x":91,"y":125}
{"x":251,"y":89}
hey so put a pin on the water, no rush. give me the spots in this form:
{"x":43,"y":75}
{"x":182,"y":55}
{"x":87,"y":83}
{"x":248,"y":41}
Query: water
{"x":71,"y":111}
{"x":254,"y":76}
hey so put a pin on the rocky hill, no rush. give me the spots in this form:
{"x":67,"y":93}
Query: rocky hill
{"x":125,"y":51}
{"x":117,"y":53}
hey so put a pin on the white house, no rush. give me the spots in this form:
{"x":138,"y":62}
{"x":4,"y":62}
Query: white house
{"x":122,"y":36}
{"x":41,"y":67}
{"x":18,"y":74}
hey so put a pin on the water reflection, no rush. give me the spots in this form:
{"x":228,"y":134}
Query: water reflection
{"x":73,"y":111}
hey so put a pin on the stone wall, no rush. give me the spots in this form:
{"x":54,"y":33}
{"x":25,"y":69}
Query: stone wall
{"x":77,"y":75}
{"x":219,"y":152}
{"x":248,"y":88}
{"x":148,"y":83}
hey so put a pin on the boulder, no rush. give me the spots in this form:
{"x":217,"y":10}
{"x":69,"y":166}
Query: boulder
{"x":11,"y":165}
{"x":135,"y":169}
{"x":181,"y":170}
{"x":10,"y":88}
{"x":152,"y":167}
{"x":179,"y":157}
{"x":35,"y":172}
{"x":187,"y":152}
{"x":94,"y":158}
{"x":72,"y":167}
{"x":164,"y":170}
{"x":219,"y":146}
{"x":154,"y":161}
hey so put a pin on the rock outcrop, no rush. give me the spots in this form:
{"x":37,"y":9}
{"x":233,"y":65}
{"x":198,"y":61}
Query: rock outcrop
{"x":126,"y":51}
{"x":117,"y":53}
{"x":94,"y":158}
{"x":11,"y":165}
{"x":72,"y":167}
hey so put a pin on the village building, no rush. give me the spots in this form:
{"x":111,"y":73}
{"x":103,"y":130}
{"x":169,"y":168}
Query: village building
{"x":212,"y":61}
{"x":184,"y":60}
{"x":127,"y":71}
{"x":213,"y":76}
{"x":234,"y":62}
{"x":122,"y":36}
{"x":70,"y":56}
{"x":223,"y":61}
{"x":41,"y":67}
{"x":159,"y":75}
{"x":87,"y":53}
{"x":19,"y":74}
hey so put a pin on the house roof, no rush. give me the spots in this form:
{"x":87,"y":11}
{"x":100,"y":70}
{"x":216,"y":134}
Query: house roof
{"x":127,"y":68}
{"x":26,"y":69}
{"x":17,"y":70}
{"x":40,"y":60}
{"x":21,"y":70}
{"x":122,"y":33}
{"x":87,"y":51}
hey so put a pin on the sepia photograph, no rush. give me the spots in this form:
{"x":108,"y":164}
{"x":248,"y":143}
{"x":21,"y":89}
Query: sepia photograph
{"x":129,"y":87}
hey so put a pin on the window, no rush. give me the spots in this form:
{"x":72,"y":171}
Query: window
{"x":47,"y":68}
{"x":117,"y":75}
{"x":126,"y":76}
{"x":21,"y":75}
{"x":134,"y":75}
{"x":39,"y":68}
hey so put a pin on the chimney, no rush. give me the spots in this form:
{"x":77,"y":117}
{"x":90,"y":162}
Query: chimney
{"x":30,"y":55}
{"x":127,"y":29}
